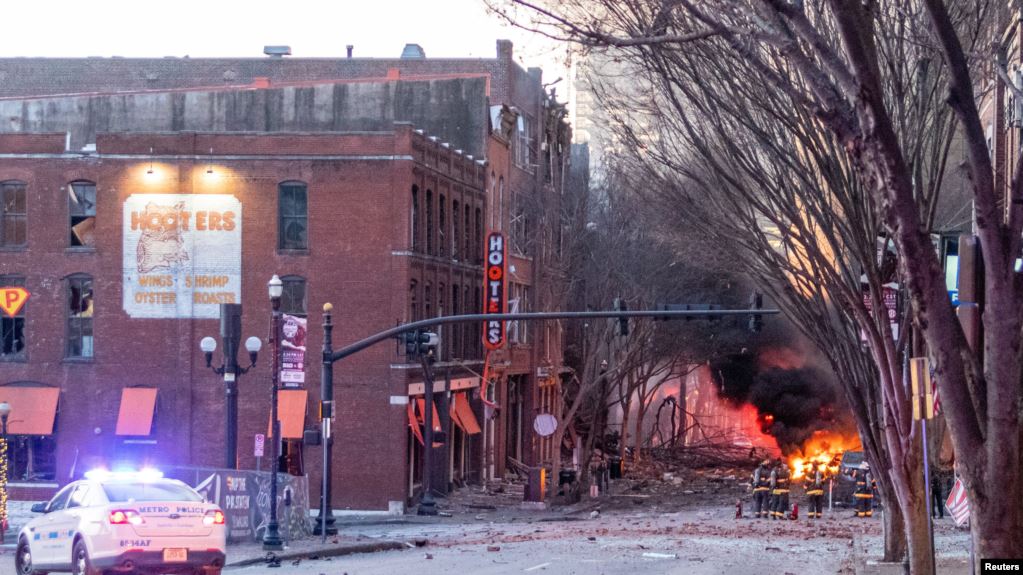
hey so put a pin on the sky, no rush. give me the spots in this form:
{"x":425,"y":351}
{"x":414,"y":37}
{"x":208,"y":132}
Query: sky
{"x":313,"y":28}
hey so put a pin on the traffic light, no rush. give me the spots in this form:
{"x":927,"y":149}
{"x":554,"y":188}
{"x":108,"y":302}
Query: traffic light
{"x":623,"y":322}
{"x":756,"y":321}
{"x":419,"y":342}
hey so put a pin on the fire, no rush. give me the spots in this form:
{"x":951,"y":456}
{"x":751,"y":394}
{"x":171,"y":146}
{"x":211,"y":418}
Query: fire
{"x":826,"y":448}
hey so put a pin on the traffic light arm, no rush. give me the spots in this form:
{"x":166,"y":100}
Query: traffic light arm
{"x":360,"y":345}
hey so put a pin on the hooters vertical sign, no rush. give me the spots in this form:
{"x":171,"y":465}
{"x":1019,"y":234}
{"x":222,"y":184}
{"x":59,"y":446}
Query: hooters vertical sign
{"x":495,"y":301}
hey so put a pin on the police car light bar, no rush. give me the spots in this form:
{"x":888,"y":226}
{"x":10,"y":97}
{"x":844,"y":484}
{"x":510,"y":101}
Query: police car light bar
{"x":145,"y":474}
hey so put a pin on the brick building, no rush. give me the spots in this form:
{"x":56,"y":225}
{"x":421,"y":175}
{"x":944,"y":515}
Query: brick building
{"x":386,"y":222}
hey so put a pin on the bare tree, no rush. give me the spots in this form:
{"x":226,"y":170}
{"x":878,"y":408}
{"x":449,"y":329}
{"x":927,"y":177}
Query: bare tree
{"x":869,"y":75}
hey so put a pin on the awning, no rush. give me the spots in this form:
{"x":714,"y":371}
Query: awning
{"x":413,"y":422}
{"x":136,"y":414}
{"x":462,"y":415}
{"x":291,"y":408}
{"x":421,"y":404}
{"x":33,"y":409}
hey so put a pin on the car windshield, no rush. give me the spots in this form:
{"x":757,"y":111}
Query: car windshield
{"x":149,"y":491}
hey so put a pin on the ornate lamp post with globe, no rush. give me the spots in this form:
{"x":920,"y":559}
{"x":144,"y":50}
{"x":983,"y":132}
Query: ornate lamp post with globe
{"x":271,"y":537}
{"x":230,"y":333}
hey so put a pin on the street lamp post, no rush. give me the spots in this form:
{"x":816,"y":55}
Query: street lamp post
{"x":230,"y":333}
{"x":427,"y":504}
{"x":272,"y":537}
{"x":5,"y":412}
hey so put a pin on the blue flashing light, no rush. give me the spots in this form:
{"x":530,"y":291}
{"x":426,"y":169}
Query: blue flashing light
{"x":144,"y":474}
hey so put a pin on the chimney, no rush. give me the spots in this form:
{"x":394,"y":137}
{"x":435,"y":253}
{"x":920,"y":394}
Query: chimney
{"x":349,"y":48}
{"x":277,"y":51}
{"x":413,"y":52}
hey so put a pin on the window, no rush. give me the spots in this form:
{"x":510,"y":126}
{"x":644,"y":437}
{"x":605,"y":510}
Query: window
{"x":467,"y":328}
{"x":415,"y":219}
{"x":427,"y":301}
{"x":522,"y":151}
{"x":478,"y":236}
{"x":456,"y":331}
{"x":441,"y":227}
{"x":292,"y":216}
{"x":82,"y":213}
{"x":500,"y":204}
{"x":293,"y":296}
{"x":60,"y":499}
{"x":79,"y":320}
{"x":456,"y":231}
{"x":79,"y":497}
{"x":12,"y":329}
{"x":13,"y":215}
{"x":429,"y":222}
{"x":413,"y":305}
{"x":32,"y":457}
{"x":149,"y":491}
{"x":467,"y":230}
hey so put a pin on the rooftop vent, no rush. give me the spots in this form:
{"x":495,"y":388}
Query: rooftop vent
{"x":277,"y":51}
{"x":413,"y":52}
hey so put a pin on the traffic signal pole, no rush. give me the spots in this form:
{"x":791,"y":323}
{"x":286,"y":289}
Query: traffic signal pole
{"x":330,"y":355}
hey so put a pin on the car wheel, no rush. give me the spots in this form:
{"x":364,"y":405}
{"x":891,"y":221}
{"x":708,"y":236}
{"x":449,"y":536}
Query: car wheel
{"x":80,"y":563}
{"x":23,"y":559}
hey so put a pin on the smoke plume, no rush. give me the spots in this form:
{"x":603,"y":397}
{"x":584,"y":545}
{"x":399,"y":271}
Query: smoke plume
{"x":793,"y":402}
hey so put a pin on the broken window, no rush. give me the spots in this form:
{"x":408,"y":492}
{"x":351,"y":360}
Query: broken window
{"x":467,"y":230}
{"x":442,"y":227}
{"x":415,"y":218}
{"x":522,"y":143}
{"x":79,"y":322}
{"x":293,"y":295}
{"x":456,"y":231}
{"x":82,"y":212}
{"x":293,"y":216}
{"x":12,"y":329}
{"x":33,"y":458}
{"x":429,"y":222}
{"x":13,"y":215}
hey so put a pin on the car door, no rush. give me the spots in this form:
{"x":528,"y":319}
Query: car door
{"x":43,"y":533}
{"x":66,"y":522}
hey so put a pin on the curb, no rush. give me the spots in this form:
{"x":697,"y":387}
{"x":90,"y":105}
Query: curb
{"x":371,"y":547}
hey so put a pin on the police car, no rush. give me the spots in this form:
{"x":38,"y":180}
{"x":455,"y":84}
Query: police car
{"x":123,"y":523}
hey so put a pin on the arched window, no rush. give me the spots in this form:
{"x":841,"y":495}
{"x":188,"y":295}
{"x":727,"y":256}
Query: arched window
{"x":429,"y":222}
{"x":427,"y":301}
{"x":293,"y":298}
{"x":13,"y":214}
{"x":478,"y":237}
{"x":413,"y":303}
{"x":456,"y":331}
{"x":81,"y":209}
{"x":415,"y":218}
{"x":292,"y":216}
{"x":467,"y":230}
{"x":442,"y":226}
{"x":79,"y":317}
{"x":456,"y":230}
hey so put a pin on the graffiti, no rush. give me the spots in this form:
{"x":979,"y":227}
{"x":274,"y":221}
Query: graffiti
{"x":244,"y":496}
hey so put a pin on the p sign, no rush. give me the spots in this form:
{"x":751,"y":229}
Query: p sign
{"x":12,"y":298}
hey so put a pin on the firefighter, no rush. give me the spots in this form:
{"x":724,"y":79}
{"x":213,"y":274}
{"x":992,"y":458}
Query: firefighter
{"x":814,"y":486}
{"x":780,"y":491}
{"x":761,"y":484}
{"x":864,"y":491}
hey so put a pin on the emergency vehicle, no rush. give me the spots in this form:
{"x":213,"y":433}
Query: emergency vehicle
{"x":130,"y":522}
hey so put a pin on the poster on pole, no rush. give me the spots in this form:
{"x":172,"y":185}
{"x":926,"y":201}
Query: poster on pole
{"x":181,"y":254}
{"x":293,"y":344}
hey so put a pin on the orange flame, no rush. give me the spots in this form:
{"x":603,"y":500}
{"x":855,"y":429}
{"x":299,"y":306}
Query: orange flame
{"x":824,"y":447}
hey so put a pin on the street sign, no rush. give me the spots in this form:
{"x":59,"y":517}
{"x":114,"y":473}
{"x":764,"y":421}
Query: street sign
{"x":957,"y":503}
{"x":260,"y":442}
{"x":12,"y":298}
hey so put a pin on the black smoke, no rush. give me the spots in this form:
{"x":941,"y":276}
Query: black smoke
{"x":792,"y":403}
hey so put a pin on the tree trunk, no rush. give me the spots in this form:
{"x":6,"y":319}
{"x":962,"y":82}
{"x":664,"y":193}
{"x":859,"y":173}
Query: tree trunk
{"x":623,"y":442}
{"x":916,"y":509}
{"x":896,"y":546}
{"x":995,"y":524}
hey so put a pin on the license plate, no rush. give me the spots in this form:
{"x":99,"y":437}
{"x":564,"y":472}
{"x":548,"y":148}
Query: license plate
{"x":175,"y":555}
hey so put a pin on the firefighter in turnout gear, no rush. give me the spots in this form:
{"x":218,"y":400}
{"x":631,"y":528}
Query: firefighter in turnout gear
{"x":780,"y":491}
{"x":761,"y":484}
{"x":864,"y":491}
{"x":814,"y":485}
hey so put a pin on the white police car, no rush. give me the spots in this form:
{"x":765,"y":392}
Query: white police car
{"x":121,"y":523}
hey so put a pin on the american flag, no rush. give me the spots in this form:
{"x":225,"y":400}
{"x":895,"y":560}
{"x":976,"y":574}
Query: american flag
{"x":936,"y":399}
{"x":957,"y":504}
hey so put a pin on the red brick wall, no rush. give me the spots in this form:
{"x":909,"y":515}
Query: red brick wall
{"x":358,"y":212}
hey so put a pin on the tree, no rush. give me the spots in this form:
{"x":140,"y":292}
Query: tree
{"x":868,"y":74}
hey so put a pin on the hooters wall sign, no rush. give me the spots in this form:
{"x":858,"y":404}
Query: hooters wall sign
{"x":495,"y":300}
